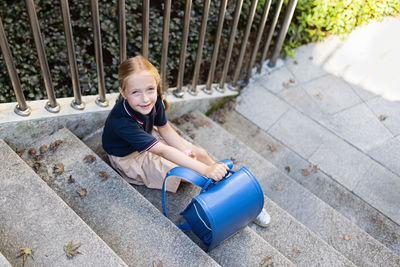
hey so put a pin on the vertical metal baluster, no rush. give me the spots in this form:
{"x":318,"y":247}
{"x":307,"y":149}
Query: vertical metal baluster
{"x":239,"y":4}
{"x":122,"y":30}
{"x":21,"y":108}
{"x":101,"y":100}
{"x":77,"y":102}
{"x":210,"y":77}
{"x":145,"y":28}
{"x":178,"y":92}
{"x":270,"y":34}
{"x":234,"y":86}
{"x":193,"y":89}
{"x":51,"y":105}
{"x":282,"y":34}
{"x":164,"y":53}
{"x":259,"y":35}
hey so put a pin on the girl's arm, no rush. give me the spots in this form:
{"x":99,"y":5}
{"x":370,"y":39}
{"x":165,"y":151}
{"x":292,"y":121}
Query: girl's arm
{"x":215,"y":171}
{"x":172,"y":137}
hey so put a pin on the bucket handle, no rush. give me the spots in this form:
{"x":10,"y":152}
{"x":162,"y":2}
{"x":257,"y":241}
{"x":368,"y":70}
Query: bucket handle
{"x":192,"y":177}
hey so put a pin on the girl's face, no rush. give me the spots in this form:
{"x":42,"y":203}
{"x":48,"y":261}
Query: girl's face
{"x":141,"y":91}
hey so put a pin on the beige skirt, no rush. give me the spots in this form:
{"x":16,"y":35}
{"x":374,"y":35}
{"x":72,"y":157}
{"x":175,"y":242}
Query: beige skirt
{"x":146,"y":169}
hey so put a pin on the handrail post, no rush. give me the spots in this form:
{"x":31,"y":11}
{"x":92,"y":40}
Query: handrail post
{"x":178,"y":92}
{"x":101,"y":100}
{"x":21,"y":108}
{"x":282,"y":34}
{"x":122,"y":30}
{"x":77,"y":102}
{"x":145,"y":28}
{"x":164,"y":53}
{"x":51,"y":105}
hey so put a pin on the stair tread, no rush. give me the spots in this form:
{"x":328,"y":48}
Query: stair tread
{"x":295,"y":199}
{"x":124,"y":219}
{"x":4,"y":262}
{"x":33,"y":216}
{"x":337,"y":196}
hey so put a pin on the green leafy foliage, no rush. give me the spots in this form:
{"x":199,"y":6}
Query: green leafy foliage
{"x":312,"y":21}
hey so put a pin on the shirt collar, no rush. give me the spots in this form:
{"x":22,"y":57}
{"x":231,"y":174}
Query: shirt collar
{"x":140,"y":118}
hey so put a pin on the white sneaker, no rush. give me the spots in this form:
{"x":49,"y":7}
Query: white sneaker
{"x":263,"y":219}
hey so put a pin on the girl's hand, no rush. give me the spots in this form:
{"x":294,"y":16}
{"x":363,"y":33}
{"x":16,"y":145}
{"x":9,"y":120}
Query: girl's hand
{"x":217,"y":171}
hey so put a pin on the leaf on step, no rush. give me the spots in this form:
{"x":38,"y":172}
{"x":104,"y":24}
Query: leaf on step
{"x":178,"y":121}
{"x":188,"y":117}
{"x":240,"y":102}
{"x":26,"y":252}
{"x":36,"y":166}
{"x":279,"y":187}
{"x":58,"y":168}
{"x":272,"y":148}
{"x":296,"y":62}
{"x":305,"y":172}
{"x":310,"y":57}
{"x":319,"y":96}
{"x":382,"y":117}
{"x":89,"y":159}
{"x":72,"y":250}
{"x":296,"y":250}
{"x":71,"y":180}
{"x":292,"y":80}
{"x":37,"y":157}
{"x":314,"y":168}
{"x":267,"y":262}
{"x":287,"y":168}
{"x":192,"y":136}
{"x":234,"y":161}
{"x":53,"y":146}
{"x":19,"y":153}
{"x":32,"y":152}
{"x":346,"y":237}
{"x":43,"y":149}
{"x":200,"y":123}
{"x":104,"y":175}
{"x":155,"y":264}
{"x":285,"y":85}
{"x":81,"y":193}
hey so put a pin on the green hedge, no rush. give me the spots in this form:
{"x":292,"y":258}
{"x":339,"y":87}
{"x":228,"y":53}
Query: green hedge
{"x":313,"y":19}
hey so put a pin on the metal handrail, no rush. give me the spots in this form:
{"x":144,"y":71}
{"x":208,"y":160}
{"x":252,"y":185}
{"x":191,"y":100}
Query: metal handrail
{"x":52,"y":105}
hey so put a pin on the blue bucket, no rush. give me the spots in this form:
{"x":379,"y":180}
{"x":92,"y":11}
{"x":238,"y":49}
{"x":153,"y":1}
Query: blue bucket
{"x":222,"y":208}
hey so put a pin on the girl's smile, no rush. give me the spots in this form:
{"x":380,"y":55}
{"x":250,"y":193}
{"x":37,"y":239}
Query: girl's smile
{"x":141,"y":92}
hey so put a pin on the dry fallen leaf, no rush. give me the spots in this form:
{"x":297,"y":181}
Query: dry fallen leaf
{"x":36,"y":166}
{"x":287,"y":168}
{"x":296,"y":250}
{"x":234,"y":161}
{"x":32,"y":152}
{"x":382,"y":117}
{"x":71,"y":180}
{"x":155,"y":264}
{"x":26,"y":252}
{"x":37,"y":157}
{"x":43,"y":149}
{"x":19,"y":153}
{"x":305,"y":172}
{"x":104,"y":175}
{"x":272,"y":148}
{"x":58,"y":168}
{"x":346,"y":237}
{"x":89,"y":159}
{"x":71,"y":250}
{"x":314,"y":168}
{"x":267,"y":262}
{"x":279,"y":187}
{"x":292,"y":80}
{"x":286,"y":85}
{"x":296,"y":62}
{"x":310,"y":57}
{"x":53,"y":146}
{"x":82,"y":192}
{"x":200,"y":123}
{"x":240,"y":102}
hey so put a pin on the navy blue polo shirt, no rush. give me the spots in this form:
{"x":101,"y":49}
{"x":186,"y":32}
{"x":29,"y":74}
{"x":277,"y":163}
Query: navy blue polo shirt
{"x":126,"y":130}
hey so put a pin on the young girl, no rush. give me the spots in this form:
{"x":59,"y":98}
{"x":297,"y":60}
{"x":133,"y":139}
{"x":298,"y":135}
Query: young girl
{"x":138,"y":139}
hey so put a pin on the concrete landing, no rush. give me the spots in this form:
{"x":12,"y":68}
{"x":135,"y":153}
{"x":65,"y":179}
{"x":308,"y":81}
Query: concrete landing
{"x":337,"y":105}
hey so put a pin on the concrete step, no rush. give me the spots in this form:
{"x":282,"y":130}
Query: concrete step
{"x":4,"y":262}
{"x":328,"y":224}
{"x":33,"y":216}
{"x":124,"y":219}
{"x":322,"y":185}
{"x":232,"y":252}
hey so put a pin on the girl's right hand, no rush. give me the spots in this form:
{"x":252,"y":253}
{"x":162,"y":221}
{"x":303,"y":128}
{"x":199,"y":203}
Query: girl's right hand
{"x":217,"y":171}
